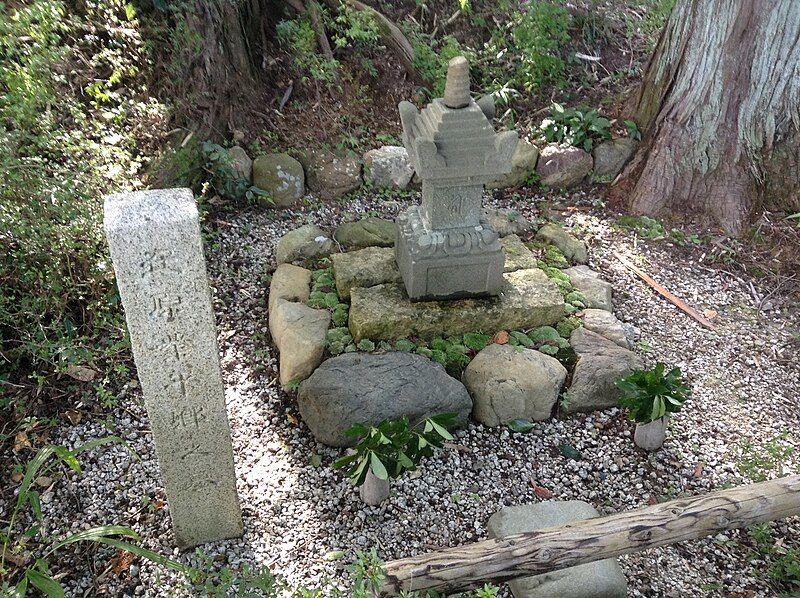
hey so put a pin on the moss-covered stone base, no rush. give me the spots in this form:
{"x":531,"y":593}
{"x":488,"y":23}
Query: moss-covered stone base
{"x":529,"y":299}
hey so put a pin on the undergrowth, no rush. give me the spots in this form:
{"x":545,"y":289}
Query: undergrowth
{"x":70,"y":89}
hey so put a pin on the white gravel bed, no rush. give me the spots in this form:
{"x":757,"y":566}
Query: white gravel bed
{"x":746,"y":389}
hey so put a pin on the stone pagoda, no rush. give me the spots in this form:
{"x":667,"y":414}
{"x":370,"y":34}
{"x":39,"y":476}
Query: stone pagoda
{"x":445,"y":249}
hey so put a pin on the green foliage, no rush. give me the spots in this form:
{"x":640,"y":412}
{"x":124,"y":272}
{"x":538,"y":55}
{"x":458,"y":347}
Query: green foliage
{"x":782,"y":561}
{"x":567,"y":325}
{"x":224,"y":180}
{"x":68,"y":85}
{"x":355,"y":27}
{"x":575,"y":126}
{"x":554,"y":258}
{"x":34,"y":546}
{"x":650,"y":394}
{"x":475,"y":341}
{"x":537,"y":34}
{"x":394,"y":447}
{"x":644,"y":226}
{"x":298,"y":38}
{"x":520,"y":426}
{"x":761,"y":463}
{"x":365,"y":345}
{"x":633,"y":130}
{"x":337,"y":339}
{"x":323,"y":296}
{"x":404,"y":345}
{"x":431,"y":63}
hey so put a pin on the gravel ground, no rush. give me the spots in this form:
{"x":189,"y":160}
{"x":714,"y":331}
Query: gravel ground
{"x":746,"y":384}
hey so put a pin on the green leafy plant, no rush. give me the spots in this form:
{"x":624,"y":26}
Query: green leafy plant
{"x":782,"y":561}
{"x":298,"y":38}
{"x":644,"y":226}
{"x":32,"y":548}
{"x":225,"y":181}
{"x":633,"y":130}
{"x":354,"y":27}
{"x":575,"y":126}
{"x":394,"y":447}
{"x":650,"y":394}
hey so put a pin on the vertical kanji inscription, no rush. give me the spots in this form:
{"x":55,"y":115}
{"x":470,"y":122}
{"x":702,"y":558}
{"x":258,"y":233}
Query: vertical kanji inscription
{"x":156,"y":248}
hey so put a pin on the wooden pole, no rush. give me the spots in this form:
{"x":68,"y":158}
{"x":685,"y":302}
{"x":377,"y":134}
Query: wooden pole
{"x":500,"y":560}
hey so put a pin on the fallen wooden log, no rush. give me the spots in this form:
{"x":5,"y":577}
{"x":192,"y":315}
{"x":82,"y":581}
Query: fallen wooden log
{"x":500,"y":560}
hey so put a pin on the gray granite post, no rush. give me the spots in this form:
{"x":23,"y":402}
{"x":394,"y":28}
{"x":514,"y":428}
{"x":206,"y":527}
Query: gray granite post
{"x":154,"y":237}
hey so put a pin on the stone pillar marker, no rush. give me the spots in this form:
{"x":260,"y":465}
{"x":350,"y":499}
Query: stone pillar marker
{"x":445,"y":249}
{"x":156,"y":248}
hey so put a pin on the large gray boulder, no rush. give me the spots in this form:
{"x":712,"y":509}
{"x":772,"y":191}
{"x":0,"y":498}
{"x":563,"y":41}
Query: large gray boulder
{"x":280,"y":175}
{"x":600,"y":363}
{"x":507,"y":222}
{"x":563,"y":165}
{"x":596,"y":290}
{"x":302,"y":244}
{"x":605,"y":324}
{"x":367,"y":388}
{"x":388,"y":166}
{"x":364,"y":268}
{"x":600,"y":579}
{"x":330,"y":175}
{"x":367,"y":232}
{"x":507,"y":384}
{"x":523,"y":164}
{"x":611,"y":156}
{"x":573,"y":249}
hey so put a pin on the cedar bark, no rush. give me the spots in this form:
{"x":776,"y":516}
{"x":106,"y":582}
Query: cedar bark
{"x":719,"y":108}
{"x":499,"y":560}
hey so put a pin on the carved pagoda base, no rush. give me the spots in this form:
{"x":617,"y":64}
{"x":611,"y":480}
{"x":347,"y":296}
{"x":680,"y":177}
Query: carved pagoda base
{"x":448,"y":263}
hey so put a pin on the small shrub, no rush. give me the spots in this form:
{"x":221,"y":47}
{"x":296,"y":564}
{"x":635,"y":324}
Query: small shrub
{"x":575,"y":126}
{"x":644,"y":226}
{"x":650,"y":394}
{"x":354,"y":27}
{"x":394,"y":447}
{"x":225,"y":182}
{"x":298,"y":38}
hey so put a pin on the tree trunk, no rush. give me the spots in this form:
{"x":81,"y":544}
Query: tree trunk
{"x":495,"y":561}
{"x":720,"y":101}
{"x":227,"y":39}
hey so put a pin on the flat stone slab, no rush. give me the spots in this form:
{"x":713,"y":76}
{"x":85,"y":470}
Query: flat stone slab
{"x":518,"y":257}
{"x":367,"y":232}
{"x":596,"y":290}
{"x":605,"y":324}
{"x":601,"y":579}
{"x":289,"y":282}
{"x":528,"y":299}
{"x":364,"y":268}
{"x":299,"y":333}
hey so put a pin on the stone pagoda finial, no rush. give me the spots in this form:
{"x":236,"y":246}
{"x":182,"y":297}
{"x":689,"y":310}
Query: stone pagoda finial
{"x":445,"y":248}
{"x":456,"y":88}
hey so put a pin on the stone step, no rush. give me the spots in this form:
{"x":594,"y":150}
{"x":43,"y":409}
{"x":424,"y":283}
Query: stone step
{"x":384,"y":312}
